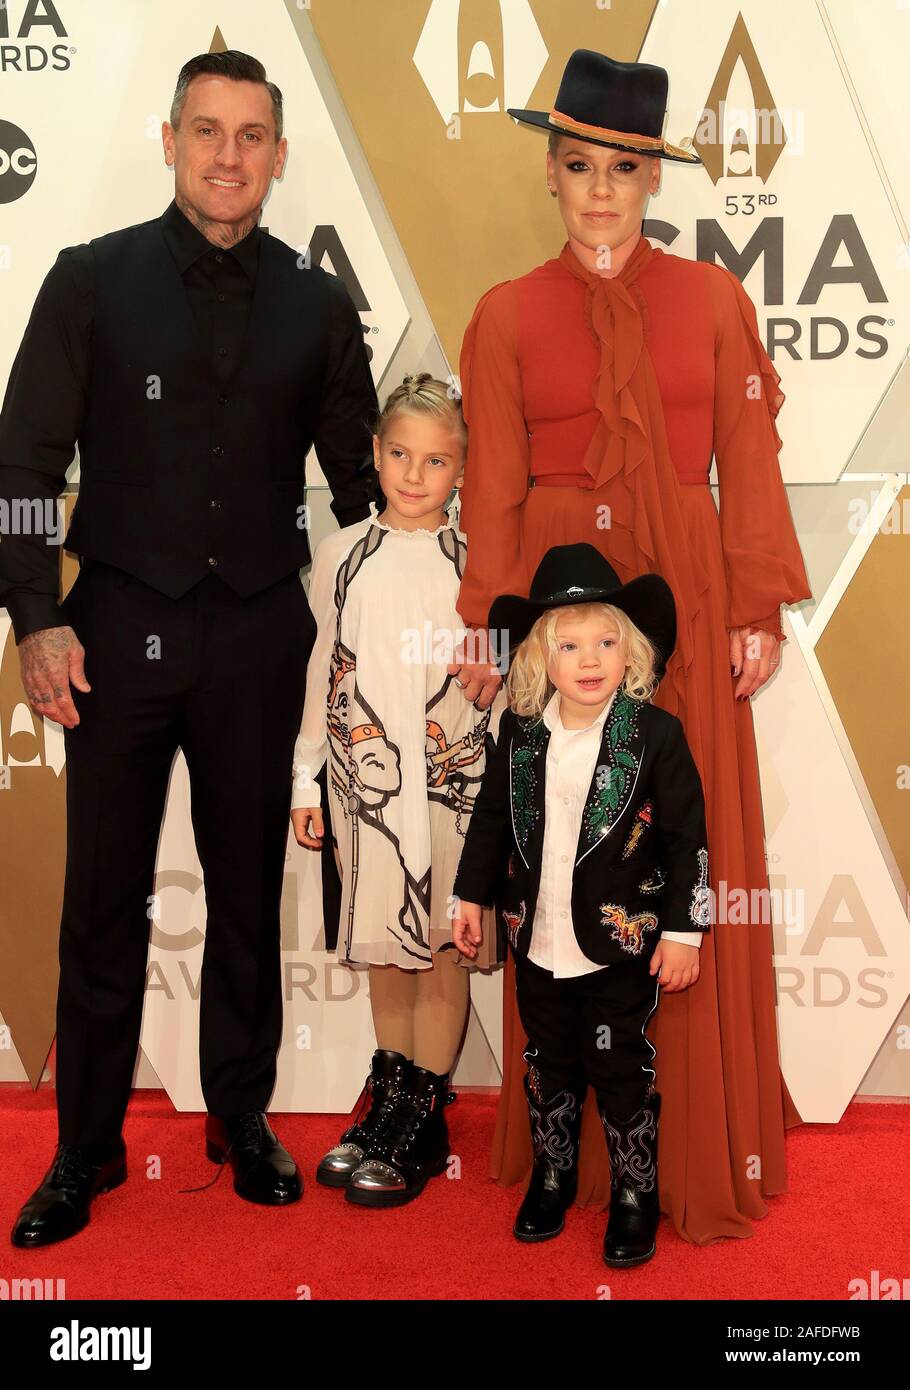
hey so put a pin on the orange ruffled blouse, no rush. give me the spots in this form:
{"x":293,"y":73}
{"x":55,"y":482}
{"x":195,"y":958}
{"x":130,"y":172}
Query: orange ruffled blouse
{"x":533,"y":364}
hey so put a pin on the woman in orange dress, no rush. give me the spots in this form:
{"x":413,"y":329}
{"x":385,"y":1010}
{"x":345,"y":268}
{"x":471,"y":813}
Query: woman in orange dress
{"x":596,"y":388}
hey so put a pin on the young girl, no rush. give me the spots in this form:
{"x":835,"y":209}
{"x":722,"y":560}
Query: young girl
{"x":589,"y":836}
{"x":406,"y":755}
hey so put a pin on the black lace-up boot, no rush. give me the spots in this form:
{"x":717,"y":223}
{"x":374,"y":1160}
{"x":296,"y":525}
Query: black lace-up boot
{"x":631,"y":1236}
{"x":60,"y":1206}
{"x":555,"y":1129}
{"x":390,"y":1073}
{"x":412,"y":1147}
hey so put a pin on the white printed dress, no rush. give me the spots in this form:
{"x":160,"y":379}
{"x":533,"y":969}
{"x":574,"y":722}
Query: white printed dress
{"x":406,"y":750}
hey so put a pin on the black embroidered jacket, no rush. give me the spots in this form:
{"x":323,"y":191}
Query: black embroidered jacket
{"x":641,"y":863}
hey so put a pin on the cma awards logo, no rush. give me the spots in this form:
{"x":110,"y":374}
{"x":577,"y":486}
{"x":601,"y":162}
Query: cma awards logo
{"x":741,"y":133}
{"x":32,"y":25}
{"x":476,"y":57}
{"x":18,"y":162}
{"x":741,"y":136}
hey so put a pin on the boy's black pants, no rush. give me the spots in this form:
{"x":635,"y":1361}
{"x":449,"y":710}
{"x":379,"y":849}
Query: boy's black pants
{"x":591,"y":1029}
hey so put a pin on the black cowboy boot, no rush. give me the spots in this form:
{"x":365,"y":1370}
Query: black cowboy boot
{"x":264,"y":1171}
{"x":390,"y":1072}
{"x":412,"y":1147}
{"x":59,"y":1207}
{"x":555,"y":1128}
{"x":634,"y":1199}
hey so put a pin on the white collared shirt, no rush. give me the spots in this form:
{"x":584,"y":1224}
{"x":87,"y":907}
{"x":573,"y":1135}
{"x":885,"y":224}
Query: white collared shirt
{"x":571,"y":758}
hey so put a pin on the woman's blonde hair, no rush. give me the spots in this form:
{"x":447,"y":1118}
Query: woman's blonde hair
{"x":528,"y":684}
{"x":423,"y":394}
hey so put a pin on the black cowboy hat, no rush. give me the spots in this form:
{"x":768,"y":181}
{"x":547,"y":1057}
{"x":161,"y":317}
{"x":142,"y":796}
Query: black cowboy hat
{"x":570,"y":574}
{"x":620,"y":105}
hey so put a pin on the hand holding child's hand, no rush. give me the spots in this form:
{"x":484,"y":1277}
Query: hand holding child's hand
{"x":308,"y":826}
{"x":466,"y":929}
{"x":678,"y":965}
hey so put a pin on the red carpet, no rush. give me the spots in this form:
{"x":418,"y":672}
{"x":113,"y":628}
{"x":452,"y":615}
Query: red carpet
{"x":845,"y":1216}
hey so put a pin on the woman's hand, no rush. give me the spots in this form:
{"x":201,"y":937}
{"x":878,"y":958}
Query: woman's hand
{"x":308,"y":826}
{"x":478,"y":678}
{"x":754,"y":656}
{"x":466,"y":929}
{"x":678,"y":965}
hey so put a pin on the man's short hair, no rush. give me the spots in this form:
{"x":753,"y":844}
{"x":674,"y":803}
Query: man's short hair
{"x":238,"y":67}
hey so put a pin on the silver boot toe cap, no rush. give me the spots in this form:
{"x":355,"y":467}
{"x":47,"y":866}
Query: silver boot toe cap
{"x":376,"y":1176}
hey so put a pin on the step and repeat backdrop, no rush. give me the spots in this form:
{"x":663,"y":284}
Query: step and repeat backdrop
{"x":407,"y":178}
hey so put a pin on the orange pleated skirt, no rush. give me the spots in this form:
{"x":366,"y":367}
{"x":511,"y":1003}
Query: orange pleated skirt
{"x":725,"y":1106}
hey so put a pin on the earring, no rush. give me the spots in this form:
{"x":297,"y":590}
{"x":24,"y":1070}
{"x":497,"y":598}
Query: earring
{"x":552,"y":192}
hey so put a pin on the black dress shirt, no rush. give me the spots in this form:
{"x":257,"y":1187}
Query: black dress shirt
{"x":49,"y":381}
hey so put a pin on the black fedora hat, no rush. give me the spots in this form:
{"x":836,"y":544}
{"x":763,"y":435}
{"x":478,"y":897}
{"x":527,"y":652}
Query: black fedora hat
{"x":620,"y":105}
{"x":571,"y":574}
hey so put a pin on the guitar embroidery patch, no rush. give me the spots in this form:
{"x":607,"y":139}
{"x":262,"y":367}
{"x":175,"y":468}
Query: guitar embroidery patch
{"x":514,"y":922}
{"x":642,"y":822}
{"x":614,"y":780}
{"x":628,"y":931}
{"x":700,"y":907}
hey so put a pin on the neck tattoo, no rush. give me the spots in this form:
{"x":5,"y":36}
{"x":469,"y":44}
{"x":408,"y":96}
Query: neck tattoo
{"x":218,"y":233}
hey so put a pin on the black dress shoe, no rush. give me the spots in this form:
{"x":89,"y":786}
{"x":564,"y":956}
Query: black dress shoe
{"x":60,"y":1206}
{"x":555,"y":1128}
{"x":631,"y":1235}
{"x":264,"y":1171}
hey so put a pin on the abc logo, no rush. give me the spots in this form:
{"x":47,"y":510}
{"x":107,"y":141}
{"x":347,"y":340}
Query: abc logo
{"x":18,"y":162}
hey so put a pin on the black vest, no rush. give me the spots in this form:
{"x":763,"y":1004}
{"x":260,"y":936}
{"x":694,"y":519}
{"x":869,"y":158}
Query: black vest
{"x":178,"y":471}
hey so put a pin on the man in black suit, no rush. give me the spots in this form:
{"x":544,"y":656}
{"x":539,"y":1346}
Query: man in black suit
{"x":195,"y":360}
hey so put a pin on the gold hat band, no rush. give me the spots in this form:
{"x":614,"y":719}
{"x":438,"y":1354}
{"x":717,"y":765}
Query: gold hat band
{"x":622,"y":137}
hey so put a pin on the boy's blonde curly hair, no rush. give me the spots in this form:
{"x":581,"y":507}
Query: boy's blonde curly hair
{"x":528,"y":684}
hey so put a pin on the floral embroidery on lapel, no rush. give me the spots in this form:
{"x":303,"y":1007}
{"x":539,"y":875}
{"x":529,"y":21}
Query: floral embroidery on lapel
{"x":642,"y":821}
{"x":614,"y":780}
{"x":515,"y":921}
{"x":700,"y":906}
{"x":525,"y":813}
{"x":628,"y":931}
{"x":654,"y":883}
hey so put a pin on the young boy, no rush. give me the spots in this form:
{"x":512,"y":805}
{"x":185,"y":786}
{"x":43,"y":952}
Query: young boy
{"x":588,"y":836}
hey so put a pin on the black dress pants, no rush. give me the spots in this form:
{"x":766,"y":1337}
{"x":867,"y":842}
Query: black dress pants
{"x":591,"y":1029}
{"x":223,"y":679}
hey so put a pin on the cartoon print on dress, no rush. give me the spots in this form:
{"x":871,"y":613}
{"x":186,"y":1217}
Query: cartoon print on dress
{"x":525,"y":813}
{"x":515,"y":921}
{"x":614,"y":781}
{"x":449,"y":777}
{"x":366,"y":763}
{"x":629,"y":931}
{"x":700,"y":907}
{"x":643,"y":820}
{"x":366,"y":771}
